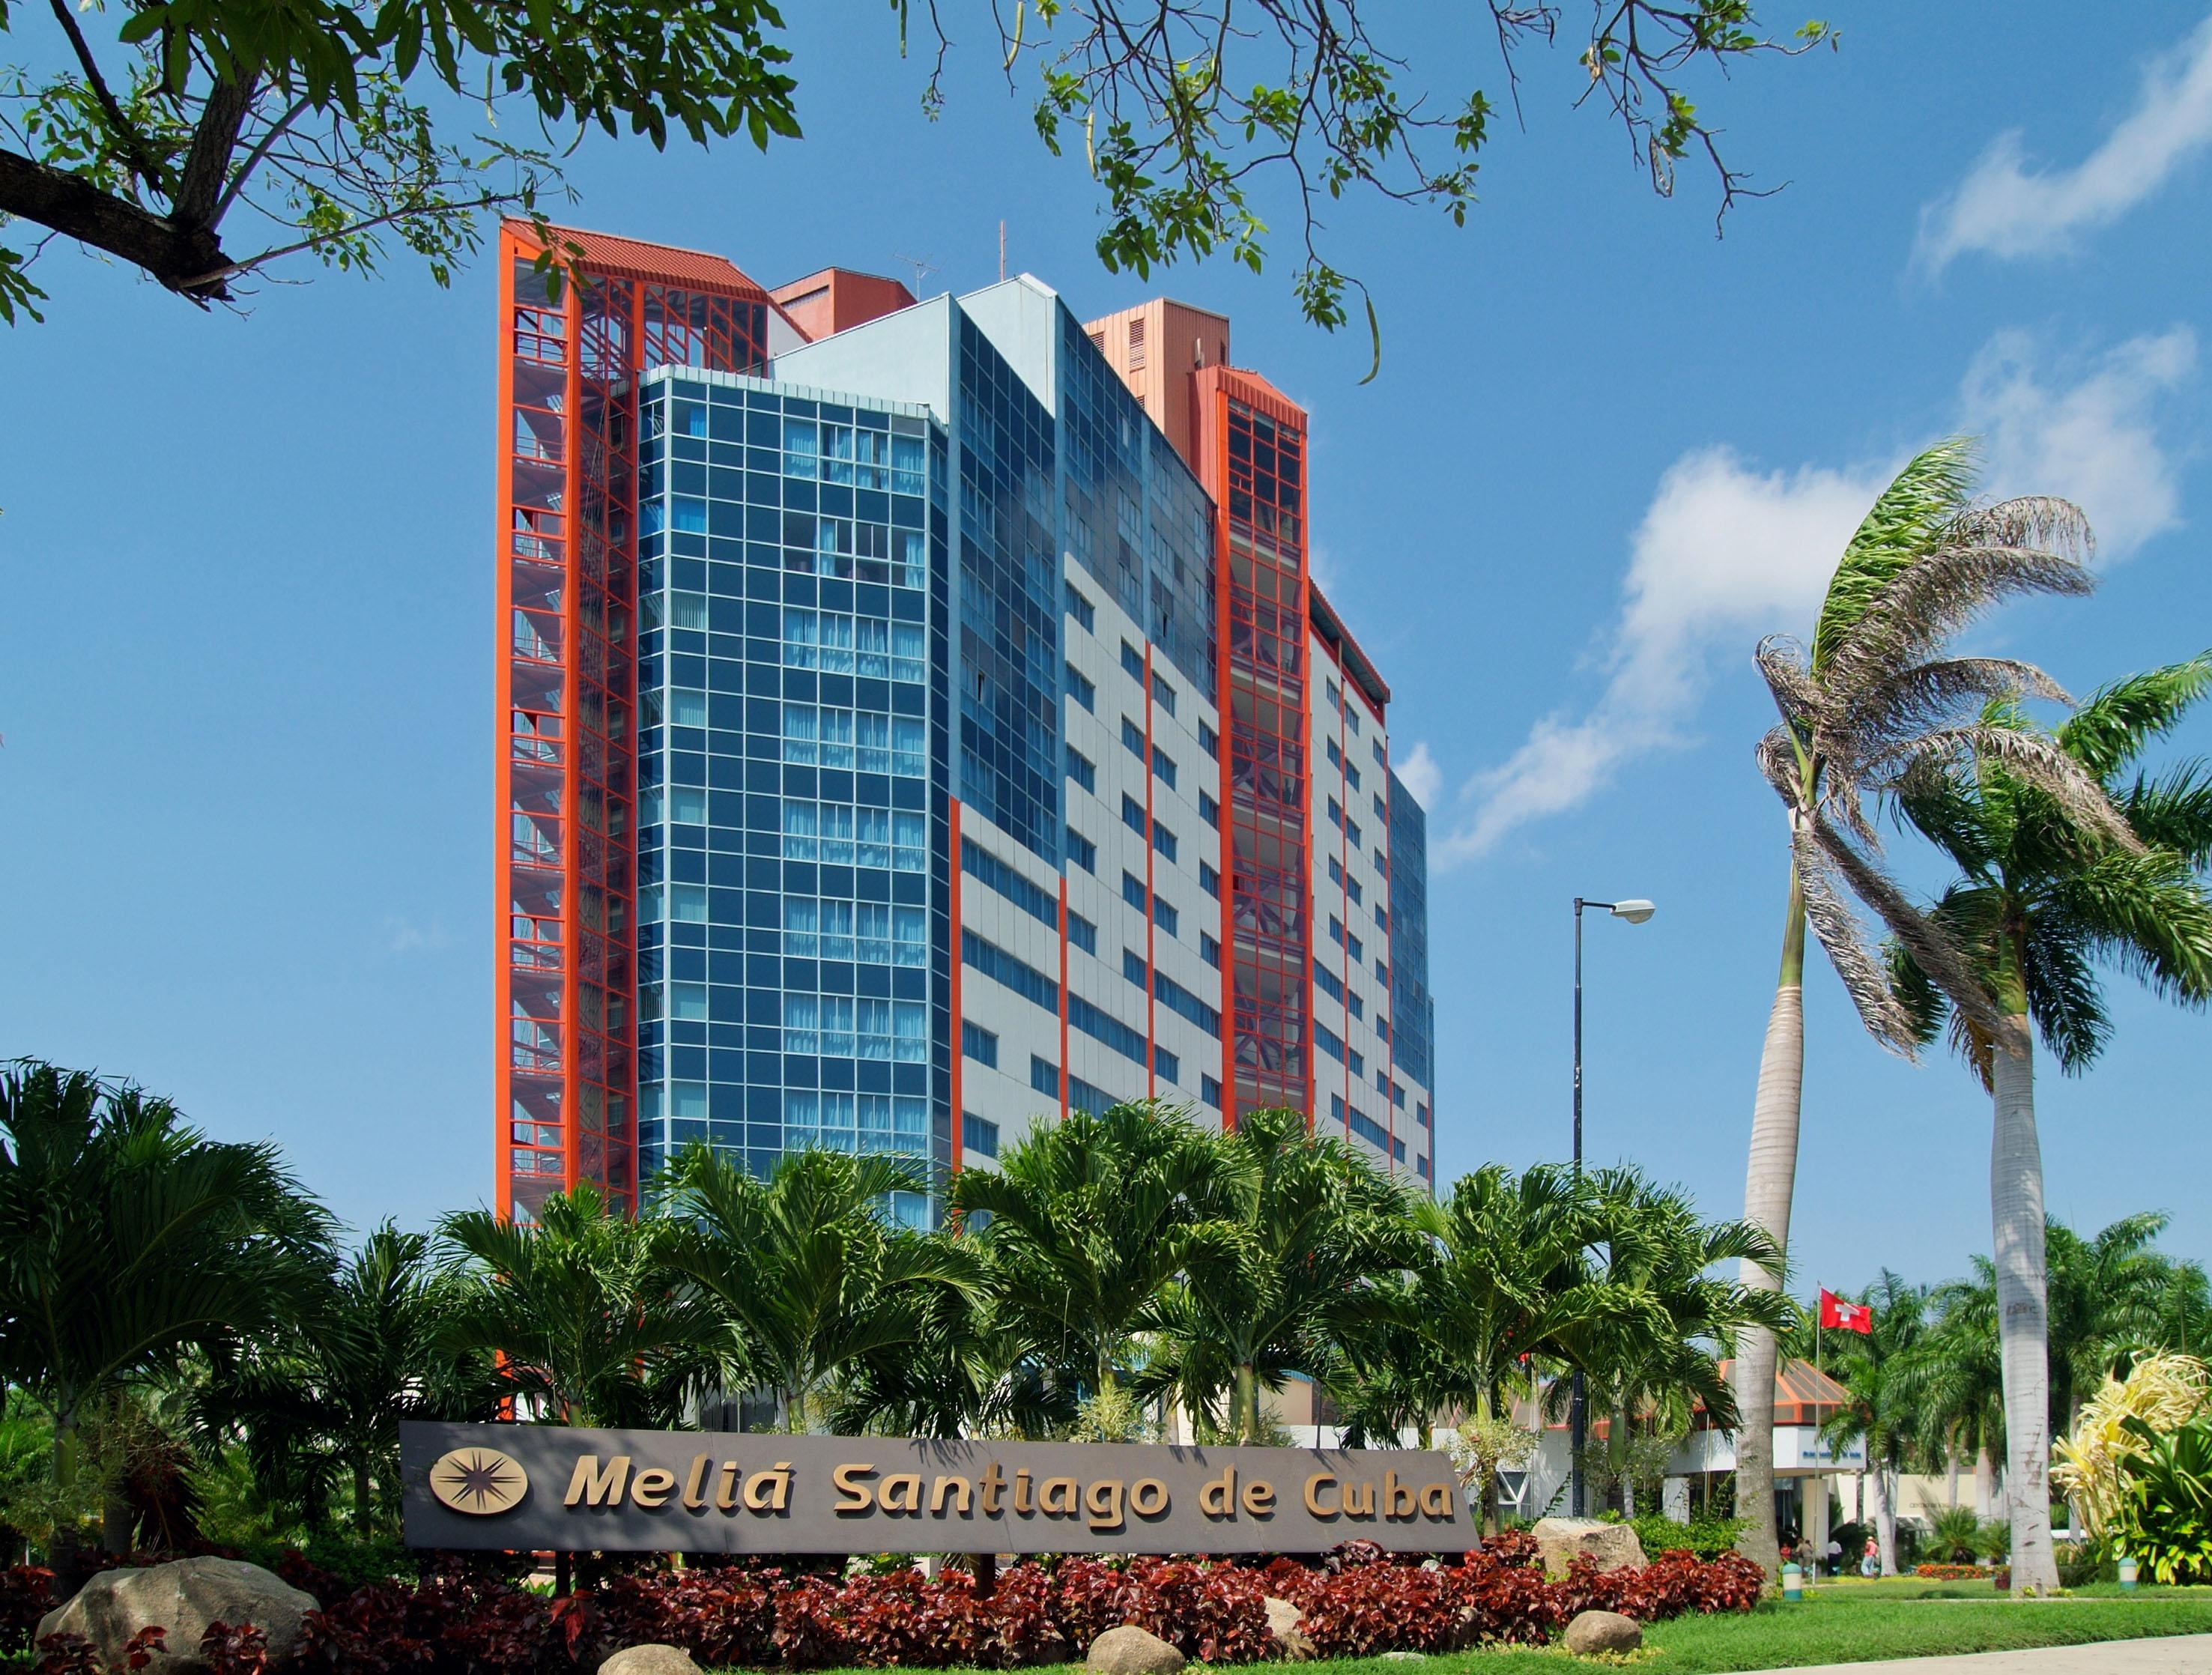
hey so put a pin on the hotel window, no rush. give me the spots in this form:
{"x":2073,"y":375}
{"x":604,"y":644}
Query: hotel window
{"x":1335,"y":756}
{"x":1209,"y":810}
{"x":979,"y":1044}
{"x":1209,"y":880}
{"x":1164,"y":694}
{"x":1133,"y":813}
{"x":1166,"y":917}
{"x":1163,"y":765}
{"x":1209,"y":741}
{"x":1079,"y":608}
{"x":1133,"y":660}
{"x":1081,"y":769}
{"x":1163,"y":840}
{"x":1209,"y":950}
{"x":1082,"y":851}
{"x":978,"y":1134}
{"x":1210,"y":1091}
{"x":1081,"y":689}
{"x":1132,"y":890}
{"x":1132,"y":738}
{"x":1083,"y":933}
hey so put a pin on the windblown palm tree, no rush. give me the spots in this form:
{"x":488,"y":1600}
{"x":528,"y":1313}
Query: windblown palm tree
{"x":1284,"y":1284}
{"x":805,"y":1267}
{"x":1873,"y":701}
{"x":130,"y":1242}
{"x":2056,"y":882}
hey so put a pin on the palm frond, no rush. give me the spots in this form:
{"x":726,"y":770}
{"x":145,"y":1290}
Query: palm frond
{"x":2026,"y":755}
{"x":2113,"y":725}
{"x":1924,"y":604}
{"x":1934,"y":950}
{"x":2174,"y":812}
{"x":1924,"y":500}
{"x":1845,"y":940}
{"x":1937,"y":694}
{"x":1782,"y":662}
{"x":2030,"y":520}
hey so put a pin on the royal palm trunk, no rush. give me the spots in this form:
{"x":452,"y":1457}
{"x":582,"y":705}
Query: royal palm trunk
{"x":2023,"y":1313}
{"x":1884,"y":1517}
{"x":1769,"y":1184}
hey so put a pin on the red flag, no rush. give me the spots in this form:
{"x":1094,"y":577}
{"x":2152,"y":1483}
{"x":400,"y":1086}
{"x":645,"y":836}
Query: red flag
{"x":1845,"y":1316}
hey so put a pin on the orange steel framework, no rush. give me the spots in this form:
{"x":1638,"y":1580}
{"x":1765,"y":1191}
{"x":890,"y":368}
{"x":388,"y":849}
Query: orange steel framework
{"x":570,"y":355}
{"x":1251,"y":447}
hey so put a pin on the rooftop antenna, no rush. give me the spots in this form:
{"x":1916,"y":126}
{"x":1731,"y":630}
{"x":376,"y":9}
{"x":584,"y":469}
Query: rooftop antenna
{"x":1002,"y":252}
{"x":922,"y":266}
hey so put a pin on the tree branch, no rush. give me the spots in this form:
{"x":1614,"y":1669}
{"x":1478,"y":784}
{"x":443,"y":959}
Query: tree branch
{"x":188,"y":261}
{"x":147,"y":166}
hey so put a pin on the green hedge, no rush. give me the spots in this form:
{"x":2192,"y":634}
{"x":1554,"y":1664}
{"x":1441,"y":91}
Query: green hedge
{"x":1708,"y":1537}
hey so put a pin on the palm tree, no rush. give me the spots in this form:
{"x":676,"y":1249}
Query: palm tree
{"x":804,"y":1267}
{"x":1655,"y":1365}
{"x":592,"y":1324}
{"x":1952,"y":1376}
{"x":1872,"y":702}
{"x":1285,"y":1282}
{"x":1088,"y":1224}
{"x":2112,"y":1298}
{"x":2054,"y":884}
{"x":325,"y":1397}
{"x":1881,"y":1412}
{"x":130,"y":1242}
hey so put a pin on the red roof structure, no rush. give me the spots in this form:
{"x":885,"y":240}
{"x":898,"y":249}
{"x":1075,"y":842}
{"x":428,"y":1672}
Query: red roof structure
{"x":659,"y":264}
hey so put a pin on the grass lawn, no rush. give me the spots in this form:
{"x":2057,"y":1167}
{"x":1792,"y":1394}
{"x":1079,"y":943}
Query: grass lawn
{"x":1852,"y":1624}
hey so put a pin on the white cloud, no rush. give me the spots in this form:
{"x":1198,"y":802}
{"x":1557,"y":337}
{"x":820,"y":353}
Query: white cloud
{"x":1418,"y":773}
{"x":2093,"y":442}
{"x":404,"y":936}
{"x":2005,"y":209}
{"x":1726,"y":553}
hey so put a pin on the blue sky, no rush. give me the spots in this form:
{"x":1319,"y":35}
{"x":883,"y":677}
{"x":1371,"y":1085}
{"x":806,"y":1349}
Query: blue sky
{"x":246,"y":633}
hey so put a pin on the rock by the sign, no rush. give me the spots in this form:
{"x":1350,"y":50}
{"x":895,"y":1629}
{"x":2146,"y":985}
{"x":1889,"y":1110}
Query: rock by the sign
{"x":1614,"y":1546}
{"x":184,"y":1599}
{"x":1283,"y":1624}
{"x":651,"y":1658}
{"x":1603,"y":1631}
{"x":1129,"y":1650}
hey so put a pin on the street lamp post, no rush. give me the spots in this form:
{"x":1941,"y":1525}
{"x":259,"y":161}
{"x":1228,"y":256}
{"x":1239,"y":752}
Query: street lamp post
{"x":1635,"y":911}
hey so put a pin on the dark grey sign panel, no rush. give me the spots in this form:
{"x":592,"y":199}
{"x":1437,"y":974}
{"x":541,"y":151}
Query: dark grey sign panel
{"x":547,"y":1487}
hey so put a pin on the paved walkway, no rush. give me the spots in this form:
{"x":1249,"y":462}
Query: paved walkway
{"x":2179,"y":1654}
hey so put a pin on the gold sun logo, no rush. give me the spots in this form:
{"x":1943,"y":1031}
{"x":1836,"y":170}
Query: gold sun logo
{"x":478,"y":1481}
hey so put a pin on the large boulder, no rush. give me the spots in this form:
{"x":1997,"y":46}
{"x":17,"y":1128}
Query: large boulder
{"x":1603,"y":1631}
{"x":1296,"y":1643}
{"x":650,"y":1659}
{"x":183,"y":1598}
{"x":1129,"y":1650}
{"x":1614,"y":1546}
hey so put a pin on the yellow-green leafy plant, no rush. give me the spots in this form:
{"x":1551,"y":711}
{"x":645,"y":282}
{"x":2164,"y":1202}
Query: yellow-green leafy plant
{"x":2164,"y":1392}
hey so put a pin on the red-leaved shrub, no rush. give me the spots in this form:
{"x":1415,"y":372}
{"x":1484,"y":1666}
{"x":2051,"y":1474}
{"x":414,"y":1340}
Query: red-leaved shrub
{"x":26,"y":1593}
{"x":243,"y":1650}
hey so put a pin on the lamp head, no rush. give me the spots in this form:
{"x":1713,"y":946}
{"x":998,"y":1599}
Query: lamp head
{"x":1634,"y":912}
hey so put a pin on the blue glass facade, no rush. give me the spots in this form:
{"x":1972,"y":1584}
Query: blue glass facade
{"x":791,"y":764}
{"x":1413,"y":1012}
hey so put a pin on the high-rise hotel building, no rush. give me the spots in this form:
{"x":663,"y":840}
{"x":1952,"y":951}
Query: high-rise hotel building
{"x":919,"y":720}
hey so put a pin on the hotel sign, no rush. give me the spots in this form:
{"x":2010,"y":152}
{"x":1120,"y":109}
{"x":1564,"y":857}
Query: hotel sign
{"x":542,"y":1487}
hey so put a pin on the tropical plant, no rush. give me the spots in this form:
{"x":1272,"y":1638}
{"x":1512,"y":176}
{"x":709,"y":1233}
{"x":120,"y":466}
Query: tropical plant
{"x":1954,"y":1376}
{"x":805,"y":1267}
{"x":316,"y":1403}
{"x":2165,"y":1512}
{"x":130,"y":1243}
{"x":592,"y":1324}
{"x":1283,"y":1282}
{"x":1874,"y":1367}
{"x":1656,"y":1367}
{"x":2164,"y":1392}
{"x":1873,"y":703}
{"x":2060,"y":874}
{"x":1083,"y":1226}
{"x":1955,"y":1534}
